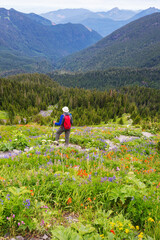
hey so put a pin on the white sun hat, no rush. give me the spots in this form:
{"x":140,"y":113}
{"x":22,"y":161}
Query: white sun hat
{"x":65,"y":109}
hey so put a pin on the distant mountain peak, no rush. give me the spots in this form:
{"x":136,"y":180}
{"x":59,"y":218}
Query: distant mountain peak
{"x":115,"y":9}
{"x":145,"y":12}
{"x":153,"y":8}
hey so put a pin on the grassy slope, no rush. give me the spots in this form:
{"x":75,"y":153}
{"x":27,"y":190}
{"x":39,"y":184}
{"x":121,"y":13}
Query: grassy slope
{"x":3,"y":115}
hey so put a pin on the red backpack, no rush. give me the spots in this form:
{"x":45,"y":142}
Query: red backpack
{"x":67,"y":122}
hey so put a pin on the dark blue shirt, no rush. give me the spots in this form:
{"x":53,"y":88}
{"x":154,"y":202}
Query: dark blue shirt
{"x":60,"y":121}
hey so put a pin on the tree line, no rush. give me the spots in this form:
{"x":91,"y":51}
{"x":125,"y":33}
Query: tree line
{"x":27,"y":94}
{"x":110,"y":78}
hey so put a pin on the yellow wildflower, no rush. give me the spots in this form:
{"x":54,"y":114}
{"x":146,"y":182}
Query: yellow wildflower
{"x":113,"y":224}
{"x":140,"y":236}
{"x":102,"y":235}
{"x":48,"y":225}
{"x":127,"y":231}
{"x":120,"y":224}
{"x":137,"y":227}
{"x":150,"y":219}
{"x":132,"y":227}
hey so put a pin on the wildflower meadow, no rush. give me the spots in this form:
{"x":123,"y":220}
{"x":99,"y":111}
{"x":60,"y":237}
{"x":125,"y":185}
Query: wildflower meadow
{"x":105,"y":185}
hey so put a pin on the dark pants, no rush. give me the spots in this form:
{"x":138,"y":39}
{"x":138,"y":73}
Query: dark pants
{"x":67,"y":133}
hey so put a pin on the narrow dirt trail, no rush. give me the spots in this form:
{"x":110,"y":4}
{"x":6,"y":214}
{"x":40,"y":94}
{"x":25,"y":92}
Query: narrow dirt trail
{"x":112,"y":145}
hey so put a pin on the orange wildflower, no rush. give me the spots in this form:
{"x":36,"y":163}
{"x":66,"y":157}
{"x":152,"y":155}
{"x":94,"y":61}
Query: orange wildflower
{"x":112,"y":231}
{"x":82,"y":173}
{"x":32,"y":193}
{"x":69,"y":200}
{"x":2,"y":179}
{"x":89,"y":199}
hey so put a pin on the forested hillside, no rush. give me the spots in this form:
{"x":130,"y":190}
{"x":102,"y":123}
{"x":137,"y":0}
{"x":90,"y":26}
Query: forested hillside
{"x":109,"y":79}
{"x":27,"y":94}
{"x":28,"y":43}
{"x":135,"y":45}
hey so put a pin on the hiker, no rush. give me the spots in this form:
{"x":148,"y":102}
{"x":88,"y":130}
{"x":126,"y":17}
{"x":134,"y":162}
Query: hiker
{"x":65,"y":123}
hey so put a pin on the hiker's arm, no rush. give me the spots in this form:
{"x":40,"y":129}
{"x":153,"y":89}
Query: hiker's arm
{"x":60,"y":121}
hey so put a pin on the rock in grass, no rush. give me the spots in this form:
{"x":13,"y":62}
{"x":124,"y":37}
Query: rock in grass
{"x":45,"y":237}
{"x":19,"y":238}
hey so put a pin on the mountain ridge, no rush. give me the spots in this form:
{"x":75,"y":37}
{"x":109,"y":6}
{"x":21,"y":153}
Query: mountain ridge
{"x":137,"y":44}
{"x":20,"y":35}
{"x":102,"y":22}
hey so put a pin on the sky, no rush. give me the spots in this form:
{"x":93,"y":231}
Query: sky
{"x":42,"y":6}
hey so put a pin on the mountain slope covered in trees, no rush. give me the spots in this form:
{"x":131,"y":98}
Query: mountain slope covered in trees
{"x":109,"y":79}
{"x":135,"y":45}
{"x":27,"y":94}
{"x":39,"y":19}
{"x":24,"y":36}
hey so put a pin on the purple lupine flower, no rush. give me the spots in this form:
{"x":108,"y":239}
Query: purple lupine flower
{"x":87,"y":156}
{"x":27,"y":203}
{"x":111,"y":179}
{"x":8,"y":196}
{"x":89,"y":178}
{"x":144,"y":198}
{"x":103,"y":179}
{"x":114,"y":177}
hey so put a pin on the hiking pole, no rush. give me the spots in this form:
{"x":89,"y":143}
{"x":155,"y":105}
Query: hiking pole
{"x":53,"y":128}
{"x":53,"y":133}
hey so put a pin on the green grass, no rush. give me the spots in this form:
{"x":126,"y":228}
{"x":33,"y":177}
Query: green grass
{"x":3,"y":115}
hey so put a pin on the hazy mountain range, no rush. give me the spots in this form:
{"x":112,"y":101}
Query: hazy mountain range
{"x":29,"y":42}
{"x":102,"y":22}
{"x":137,"y":44}
{"x":78,"y":15}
